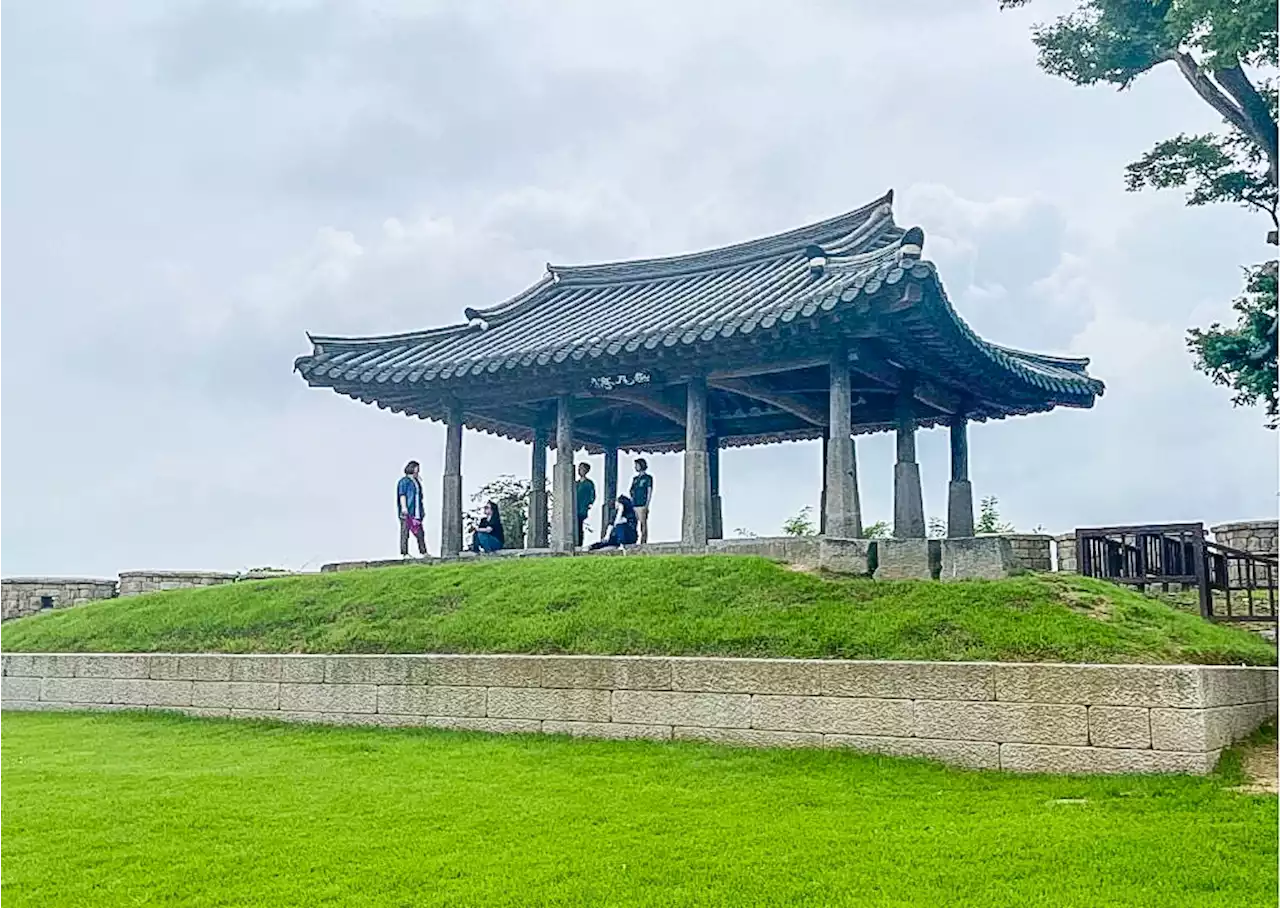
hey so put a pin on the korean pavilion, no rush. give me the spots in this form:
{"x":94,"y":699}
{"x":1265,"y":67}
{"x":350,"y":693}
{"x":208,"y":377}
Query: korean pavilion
{"x":828,"y":331}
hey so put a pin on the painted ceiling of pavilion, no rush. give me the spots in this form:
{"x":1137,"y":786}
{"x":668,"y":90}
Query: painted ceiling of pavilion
{"x":759,"y":319}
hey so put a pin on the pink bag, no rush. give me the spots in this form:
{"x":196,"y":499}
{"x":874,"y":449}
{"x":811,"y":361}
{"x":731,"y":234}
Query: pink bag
{"x":415,"y":525}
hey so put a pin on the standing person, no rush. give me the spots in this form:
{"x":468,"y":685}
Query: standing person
{"x":488,"y":535}
{"x":641,"y":495}
{"x":584,"y":496}
{"x":623,"y":531}
{"x":409,"y":508}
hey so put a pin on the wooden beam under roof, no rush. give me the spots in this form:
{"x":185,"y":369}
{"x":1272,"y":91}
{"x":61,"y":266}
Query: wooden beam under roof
{"x":652,"y":404}
{"x":875,"y":365}
{"x":758,"y":389}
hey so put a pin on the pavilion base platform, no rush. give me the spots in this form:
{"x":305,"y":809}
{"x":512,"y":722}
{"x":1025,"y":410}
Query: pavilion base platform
{"x":984,"y":557}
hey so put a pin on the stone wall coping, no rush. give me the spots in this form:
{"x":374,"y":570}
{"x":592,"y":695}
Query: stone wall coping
{"x":180,"y":574}
{"x":1245,"y":525}
{"x":742,"y":660}
{"x":56,"y":581}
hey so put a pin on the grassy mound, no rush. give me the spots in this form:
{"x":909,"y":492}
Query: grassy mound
{"x":732,"y":606}
{"x":132,"y":809}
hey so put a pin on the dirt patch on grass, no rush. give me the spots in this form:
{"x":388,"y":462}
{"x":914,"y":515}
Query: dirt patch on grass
{"x":1260,"y":767}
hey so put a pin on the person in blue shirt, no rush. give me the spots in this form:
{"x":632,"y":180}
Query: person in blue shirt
{"x":641,"y":495}
{"x":409,"y":508}
{"x":584,"y":496}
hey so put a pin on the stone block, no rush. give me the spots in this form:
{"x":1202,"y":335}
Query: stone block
{"x":909,"y":680}
{"x":607,"y":672}
{"x":1206,"y":729}
{"x":435,"y":700}
{"x":833,"y":715}
{"x":902,"y":559}
{"x":1028,"y":723}
{"x":196,"y":712}
{"x":607,"y":730}
{"x":110,"y":665}
{"x":493,"y":726}
{"x":329,"y":698}
{"x":486,"y":671}
{"x":24,"y":706}
{"x":682,"y":708}
{"x":845,"y":556}
{"x":1232,"y":685}
{"x":235,"y":694}
{"x":77,"y":690}
{"x":274,"y":715}
{"x":191,"y":668}
{"x":377,"y":670}
{"x":578,"y":705}
{"x":1101,"y":760}
{"x":749,"y":676}
{"x":302,"y":669}
{"x":748,"y":737}
{"x":19,"y":688}
{"x":135,"y":692}
{"x":53,"y":665}
{"x":263,"y":669}
{"x":18,"y":664}
{"x":1100,"y":685}
{"x":977,"y":558}
{"x":1120,"y":726}
{"x":969,"y":754}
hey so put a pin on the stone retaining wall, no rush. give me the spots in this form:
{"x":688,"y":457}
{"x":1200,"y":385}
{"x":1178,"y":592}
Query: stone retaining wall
{"x":885,"y":559}
{"x":1018,"y":717}
{"x":1250,"y":535}
{"x":22,"y":596}
{"x":135,"y":583}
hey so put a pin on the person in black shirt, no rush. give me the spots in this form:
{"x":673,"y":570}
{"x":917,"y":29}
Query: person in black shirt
{"x":623,"y":531}
{"x":584,"y":496}
{"x":488,"y":533}
{"x":641,"y":495}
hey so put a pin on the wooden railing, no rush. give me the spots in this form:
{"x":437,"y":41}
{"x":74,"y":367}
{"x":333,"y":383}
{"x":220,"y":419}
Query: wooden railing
{"x":1231,"y":584}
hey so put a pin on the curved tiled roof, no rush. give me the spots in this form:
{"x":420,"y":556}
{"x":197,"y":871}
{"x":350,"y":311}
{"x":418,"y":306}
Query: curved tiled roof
{"x":705,"y":301}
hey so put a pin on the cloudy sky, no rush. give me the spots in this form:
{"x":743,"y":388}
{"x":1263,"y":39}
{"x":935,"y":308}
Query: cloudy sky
{"x":189,"y":187}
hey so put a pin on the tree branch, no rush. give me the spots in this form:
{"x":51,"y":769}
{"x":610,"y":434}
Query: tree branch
{"x":1212,"y":95}
{"x":1260,"y":126}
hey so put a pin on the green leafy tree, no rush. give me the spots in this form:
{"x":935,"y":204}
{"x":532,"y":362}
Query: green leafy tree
{"x":877,"y":530}
{"x":989,"y":521}
{"x":801,"y":524}
{"x":1243,"y":358}
{"x":1211,"y":42}
{"x":1214,"y":44}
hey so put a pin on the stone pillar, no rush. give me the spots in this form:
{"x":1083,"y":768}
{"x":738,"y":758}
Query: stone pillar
{"x":564,"y":527}
{"x":908,"y":499}
{"x":537,"y":531}
{"x":842,"y":507}
{"x":451,"y":500}
{"x":697,"y":474}
{"x":609,"y":505}
{"x":960,"y":490}
{"x":822,"y":500}
{"x":715,"y":520}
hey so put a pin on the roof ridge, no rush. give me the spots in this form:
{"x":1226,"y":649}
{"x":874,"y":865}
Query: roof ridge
{"x":722,"y":256}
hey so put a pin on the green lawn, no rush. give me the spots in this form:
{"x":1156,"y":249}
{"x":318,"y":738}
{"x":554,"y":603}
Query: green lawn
{"x":682,"y":605}
{"x":148,"y":809}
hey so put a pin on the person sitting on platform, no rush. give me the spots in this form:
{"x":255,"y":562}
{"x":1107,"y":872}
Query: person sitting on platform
{"x":641,"y":495}
{"x":584,"y":496}
{"x":487,"y":536}
{"x":623,"y":531}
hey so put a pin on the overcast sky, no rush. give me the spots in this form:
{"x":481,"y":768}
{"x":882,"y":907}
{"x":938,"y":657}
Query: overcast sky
{"x":189,"y":187}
